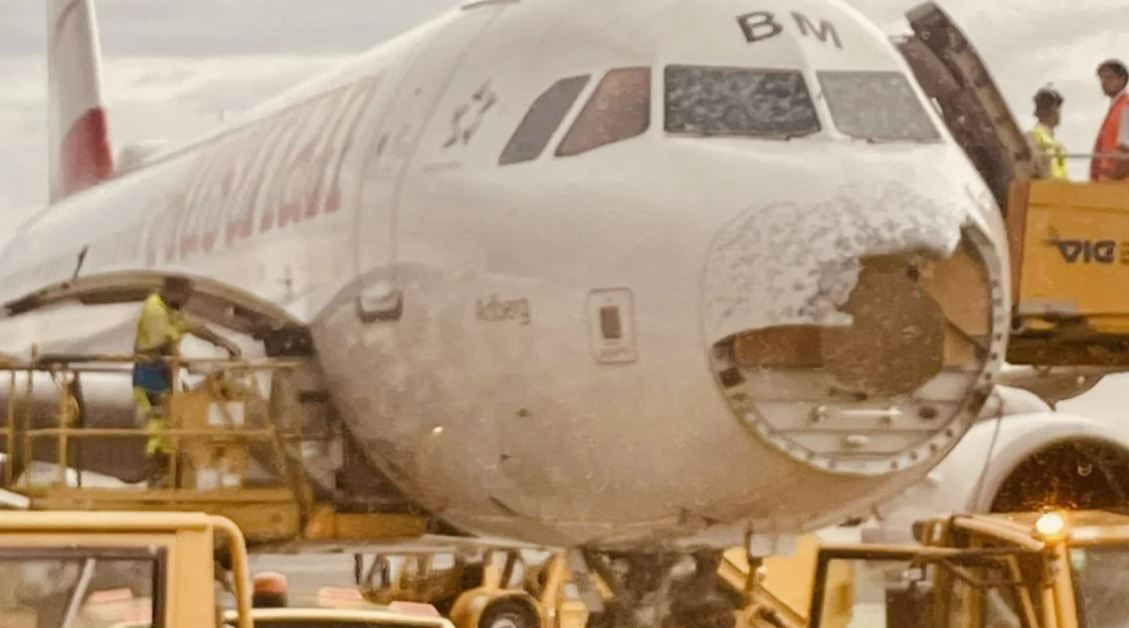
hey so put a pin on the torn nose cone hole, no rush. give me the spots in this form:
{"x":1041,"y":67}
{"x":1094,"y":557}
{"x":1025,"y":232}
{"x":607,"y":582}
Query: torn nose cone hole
{"x":892,"y":384}
{"x":896,"y":341}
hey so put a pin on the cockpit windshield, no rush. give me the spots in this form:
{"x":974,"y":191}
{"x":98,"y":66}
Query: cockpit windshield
{"x":703,"y":100}
{"x":878,"y":106}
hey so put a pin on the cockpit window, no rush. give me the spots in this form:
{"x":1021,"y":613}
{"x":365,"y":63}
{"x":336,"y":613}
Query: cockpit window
{"x":542,"y":120}
{"x":876,"y":106}
{"x":704,"y":100}
{"x":620,"y":108}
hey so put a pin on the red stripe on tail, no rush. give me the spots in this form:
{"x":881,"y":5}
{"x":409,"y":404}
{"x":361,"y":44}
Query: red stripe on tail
{"x":86,"y":158}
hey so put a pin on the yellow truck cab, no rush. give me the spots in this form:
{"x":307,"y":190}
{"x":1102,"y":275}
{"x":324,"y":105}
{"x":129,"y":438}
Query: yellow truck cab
{"x":1030,"y":570}
{"x":104,"y":569}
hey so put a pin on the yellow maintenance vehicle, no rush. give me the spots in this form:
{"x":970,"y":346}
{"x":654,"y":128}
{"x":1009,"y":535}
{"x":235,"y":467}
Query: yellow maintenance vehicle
{"x":103,"y":569}
{"x":71,"y":569}
{"x":1031,"y":570}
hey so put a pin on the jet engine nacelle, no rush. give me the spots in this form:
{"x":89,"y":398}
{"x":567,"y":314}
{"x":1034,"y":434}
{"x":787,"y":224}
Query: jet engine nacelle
{"x":1025,"y":457}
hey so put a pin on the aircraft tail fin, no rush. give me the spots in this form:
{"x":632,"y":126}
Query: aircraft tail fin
{"x":78,"y":135}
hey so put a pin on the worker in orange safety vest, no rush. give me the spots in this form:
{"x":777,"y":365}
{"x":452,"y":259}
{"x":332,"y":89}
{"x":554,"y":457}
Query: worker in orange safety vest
{"x":1113,"y":138}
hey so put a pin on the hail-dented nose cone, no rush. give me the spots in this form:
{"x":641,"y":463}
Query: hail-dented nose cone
{"x":859,"y":334}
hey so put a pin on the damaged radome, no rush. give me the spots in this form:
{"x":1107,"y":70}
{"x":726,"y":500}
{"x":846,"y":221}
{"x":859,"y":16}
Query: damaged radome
{"x":859,"y":335}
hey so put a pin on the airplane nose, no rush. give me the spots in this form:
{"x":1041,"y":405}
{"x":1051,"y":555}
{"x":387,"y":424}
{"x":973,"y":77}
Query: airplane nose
{"x":859,"y":335}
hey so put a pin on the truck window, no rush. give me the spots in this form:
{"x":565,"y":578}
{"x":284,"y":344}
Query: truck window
{"x":542,"y":120}
{"x":97,"y":588}
{"x":998,"y":604}
{"x":719,"y":101}
{"x":858,"y":596}
{"x":859,"y":590}
{"x":1100,"y":589}
{"x":619,"y":109}
{"x":878,"y":106}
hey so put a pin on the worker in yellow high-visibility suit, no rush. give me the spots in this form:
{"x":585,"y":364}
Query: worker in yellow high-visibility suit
{"x":1049,"y":153}
{"x":159,"y":330}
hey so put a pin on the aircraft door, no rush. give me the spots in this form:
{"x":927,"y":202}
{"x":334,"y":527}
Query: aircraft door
{"x":397,"y":137}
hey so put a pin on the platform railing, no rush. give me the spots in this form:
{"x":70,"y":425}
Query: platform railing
{"x":223,"y":380}
{"x":1113,"y":156}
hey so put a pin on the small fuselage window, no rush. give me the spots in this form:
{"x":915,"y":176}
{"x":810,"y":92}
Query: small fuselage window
{"x":720,"y":101}
{"x":876,"y":106}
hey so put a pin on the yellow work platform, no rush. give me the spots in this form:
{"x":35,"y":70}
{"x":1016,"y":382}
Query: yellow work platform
{"x":235,"y":451}
{"x":1069,"y":246}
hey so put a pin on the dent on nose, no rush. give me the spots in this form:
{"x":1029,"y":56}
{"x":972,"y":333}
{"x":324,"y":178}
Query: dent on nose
{"x":860,"y":334}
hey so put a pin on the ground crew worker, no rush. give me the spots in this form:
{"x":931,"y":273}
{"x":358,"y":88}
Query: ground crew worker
{"x":1050,"y":155}
{"x":159,"y":329}
{"x":1114,"y":134}
{"x":269,"y":590}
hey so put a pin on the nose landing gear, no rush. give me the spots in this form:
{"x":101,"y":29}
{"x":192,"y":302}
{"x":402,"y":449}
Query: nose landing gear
{"x":665,"y":590}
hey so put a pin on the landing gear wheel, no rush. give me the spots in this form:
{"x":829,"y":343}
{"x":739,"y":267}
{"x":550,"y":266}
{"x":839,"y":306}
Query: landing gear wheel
{"x":649,"y":594}
{"x":703,"y":600}
{"x":715,"y":610}
{"x":509,"y":613}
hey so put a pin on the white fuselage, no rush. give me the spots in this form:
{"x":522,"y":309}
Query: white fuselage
{"x":487,"y":400}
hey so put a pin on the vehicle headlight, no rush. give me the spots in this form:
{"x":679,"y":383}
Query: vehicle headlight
{"x":1051,"y":525}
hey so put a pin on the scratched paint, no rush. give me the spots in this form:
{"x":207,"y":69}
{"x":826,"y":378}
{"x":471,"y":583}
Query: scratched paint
{"x":795,"y":263}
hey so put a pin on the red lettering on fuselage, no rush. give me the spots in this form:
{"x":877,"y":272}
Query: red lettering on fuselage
{"x":299,"y":190}
{"x":280,"y":170}
{"x":274,"y":178}
{"x":332,"y":200}
{"x":241,"y":225}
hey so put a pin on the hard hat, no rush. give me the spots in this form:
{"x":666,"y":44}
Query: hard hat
{"x":270,"y":590}
{"x":269,"y":582}
{"x":1048,"y":96}
{"x":1047,"y":99}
